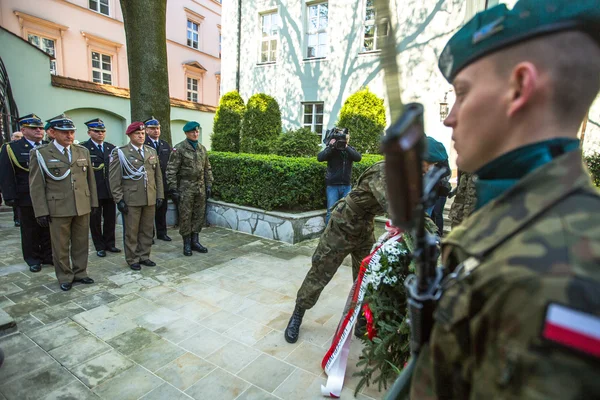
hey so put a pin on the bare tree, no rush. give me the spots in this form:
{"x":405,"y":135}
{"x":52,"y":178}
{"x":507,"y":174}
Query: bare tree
{"x":145,"y":30}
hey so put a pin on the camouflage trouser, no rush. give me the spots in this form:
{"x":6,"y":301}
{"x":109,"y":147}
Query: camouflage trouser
{"x":345,"y":234}
{"x":191,"y":211}
{"x":465,"y":200}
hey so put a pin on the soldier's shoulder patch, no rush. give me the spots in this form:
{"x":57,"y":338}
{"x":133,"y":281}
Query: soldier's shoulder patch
{"x":572,"y":329}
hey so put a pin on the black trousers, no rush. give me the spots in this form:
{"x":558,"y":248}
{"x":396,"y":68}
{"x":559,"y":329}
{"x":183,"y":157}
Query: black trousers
{"x":103,"y":235}
{"x":16,"y":214}
{"x":35,"y":240}
{"x":160,"y":219}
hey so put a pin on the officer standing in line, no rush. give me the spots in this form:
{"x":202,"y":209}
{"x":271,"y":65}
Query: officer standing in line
{"x":163,"y":149}
{"x":520,"y":316}
{"x":137,"y":187}
{"x":14,"y":181}
{"x":103,"y":235}
{"x":189,"y":178}
{"x":63,"y":192}
{"x":16,"y":136}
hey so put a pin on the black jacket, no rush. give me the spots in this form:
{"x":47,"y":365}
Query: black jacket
{"x":14,"y":179}
{"x":164,"y":152}
{"x":339,"y":164}
{"x":98,"y":158}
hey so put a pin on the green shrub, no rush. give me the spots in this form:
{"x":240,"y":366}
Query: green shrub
{"x":228,"y":123}
{"x":298,"y":143}
{"x":593,"y":164}
{"x":273,"y":182}
{"x":363,"y":114}
{"x":261,"y":125}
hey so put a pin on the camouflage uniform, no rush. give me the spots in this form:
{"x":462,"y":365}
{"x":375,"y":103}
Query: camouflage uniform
{"x":188,"y":171}
{"x":538,"y":244}
{"x":465,"y":200}
{"x":349,"y":231}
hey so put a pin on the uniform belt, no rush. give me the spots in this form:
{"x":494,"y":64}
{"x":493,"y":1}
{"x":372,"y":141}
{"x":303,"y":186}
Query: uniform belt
{"x":356,"y":208}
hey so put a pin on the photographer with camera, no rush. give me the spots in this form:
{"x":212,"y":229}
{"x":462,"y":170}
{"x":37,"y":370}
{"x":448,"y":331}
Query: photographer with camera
{"x":339,"y":156}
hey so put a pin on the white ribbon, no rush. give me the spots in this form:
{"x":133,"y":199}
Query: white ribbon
{"x":133,"y":173}
{"x":44,"y":167}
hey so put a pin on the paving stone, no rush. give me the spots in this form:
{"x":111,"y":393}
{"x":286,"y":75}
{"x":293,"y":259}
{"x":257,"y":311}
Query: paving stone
{"x":104,"y":322}
{"x":95,"y":300}
{"x":130,"y":384}
{"x":79,"y":351}
{"x":157,"y":318}
{"x":57,"y":334}
{"x":9,"y":288}
{"x":274,"y":344}
{"x":308,"y":357}
{"x":31,"y":293}
{"x":157,"y":355}
{"x":24,"y":308}
{"x":61,"y":297}
{"x":248,"y":332}
{"x":255,"y":393}
{"x":22,"y":363}
{"x":221,"y":321}
{"x":101,"y":368}
{"x":185,"y":371}
{"x":233,"y":357}
{"x":58,"y":312}
{"x":133,"y":340}
{"x":73,"y":391}
{"x":5,"y":302}
{"x":164,"y":392}
{"x":132,"y":306}
{"x":175,"y":301}
{"x":15,"y":343}
{"x":156,"y":293}
{"x":37,"y":384}
{"x":179,"y":330}
{"x":266,"y":372}
{"x":197,"y":310}
{"x":204,"y":343}
{"x":219,"y":384}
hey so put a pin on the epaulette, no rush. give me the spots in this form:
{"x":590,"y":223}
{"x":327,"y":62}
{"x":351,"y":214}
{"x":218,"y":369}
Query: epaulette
{"x":41,"y":146}
{"x":80,"y":145}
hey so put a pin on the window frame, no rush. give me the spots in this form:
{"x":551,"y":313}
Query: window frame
{"x":101,"y":70}
{"x":53,"y":62}
{"x":188,"y":30}
{"x":268,"y":38}
{"x":376,"y":28}
{"x":318,"y":32}
{"x":314,"y":114}
{"x":188,"y":90}
{"x":99,"y":6}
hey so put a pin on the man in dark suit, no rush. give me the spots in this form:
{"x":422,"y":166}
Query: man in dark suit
{"x":103,"y":236}
{"x":163,"y":149}
{"x":14,"y":181}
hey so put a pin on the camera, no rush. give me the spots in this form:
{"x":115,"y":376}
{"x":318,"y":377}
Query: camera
{"x":339,"y":135}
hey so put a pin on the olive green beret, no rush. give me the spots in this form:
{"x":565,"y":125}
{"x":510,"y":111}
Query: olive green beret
{"x":498,"y":27}
{"x":190,"y":126}
{"x":436,"y":152}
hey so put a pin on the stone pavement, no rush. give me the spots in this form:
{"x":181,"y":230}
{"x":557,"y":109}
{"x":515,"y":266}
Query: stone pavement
{"x":208,"y":326}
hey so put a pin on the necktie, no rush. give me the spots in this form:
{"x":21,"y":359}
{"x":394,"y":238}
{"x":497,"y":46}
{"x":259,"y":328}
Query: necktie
{"x":66,"y":152}
{"x":156,"y":144}
{"x":100,"y":148}
{"x":141,"y":154}
{"x":37,"y":144}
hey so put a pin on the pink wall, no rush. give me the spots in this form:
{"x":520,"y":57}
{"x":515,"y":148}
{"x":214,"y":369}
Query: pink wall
{"x":78,"y":31}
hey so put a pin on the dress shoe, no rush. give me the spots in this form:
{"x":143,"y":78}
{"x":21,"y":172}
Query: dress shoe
{"x":35,"y":268}
{"x":293,"y":329}
{"x":101,"y":253}
{"x":148,"y":263}
{"x":114,"y":249}
{"x":135,"y":266}
{"x":85,"y":281}
{"x":164,"y":237}
{"x":66,"y":286}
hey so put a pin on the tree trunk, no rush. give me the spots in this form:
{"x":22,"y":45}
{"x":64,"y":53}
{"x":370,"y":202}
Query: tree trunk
{"x":145,"y":30}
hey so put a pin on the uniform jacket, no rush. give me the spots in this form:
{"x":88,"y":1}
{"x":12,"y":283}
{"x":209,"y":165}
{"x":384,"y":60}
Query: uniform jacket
{"x":14,"y":177}
{"x":339,"y":164}
{"x":141,"y":192}
{"x":536,"y":245}
{"x":73,"y":196}
{"x":100,"y":161}
{"x":465,"y":200}
{"x":189,"y":169}
{"x":164,"y":152}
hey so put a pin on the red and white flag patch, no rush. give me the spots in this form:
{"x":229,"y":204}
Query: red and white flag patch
{"x":573,"y":329}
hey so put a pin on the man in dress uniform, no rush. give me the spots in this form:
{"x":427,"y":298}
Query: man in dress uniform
{"x":137,"y":187}
{"x":189,"y":178}
{"x":13,"y":138}
{"x":14,"y":181}
{"x":63,"y":192}
{"x":519,"y":318}
{"x":163,"y":149}
{"x":103,"y":235}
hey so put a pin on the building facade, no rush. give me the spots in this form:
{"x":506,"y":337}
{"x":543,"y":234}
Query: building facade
{"x":312,"y":54}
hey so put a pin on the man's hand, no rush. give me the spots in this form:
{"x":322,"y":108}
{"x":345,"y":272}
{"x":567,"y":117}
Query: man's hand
{"x":331,"y":142}
{"x":122,"y":206}
{"x":10,"y":203}
{"x":159,"y":202}
{"x":175,"y":196}
{"x":44,"y":221}
{"x":208,"y":191}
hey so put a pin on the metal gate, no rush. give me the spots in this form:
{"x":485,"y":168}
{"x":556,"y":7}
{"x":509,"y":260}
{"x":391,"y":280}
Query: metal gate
{"x":9,"y":112}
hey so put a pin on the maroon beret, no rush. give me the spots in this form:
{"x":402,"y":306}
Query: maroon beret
{"x":134,"y":127}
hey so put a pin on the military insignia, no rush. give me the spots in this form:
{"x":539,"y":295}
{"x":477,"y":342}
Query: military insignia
{"x":488,"y":30}
{"x":84,"y":168}
{"x":572,"y":329}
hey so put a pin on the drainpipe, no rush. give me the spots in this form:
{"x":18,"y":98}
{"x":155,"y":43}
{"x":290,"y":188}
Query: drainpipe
{"x":239,"y":45}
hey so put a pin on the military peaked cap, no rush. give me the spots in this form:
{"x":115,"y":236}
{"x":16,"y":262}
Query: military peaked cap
{"x":62,"y":123}
{"x":31,"y":121}
{"x":152,"y":122}
{"x":497,"y":28}
{"x":95,"y":125}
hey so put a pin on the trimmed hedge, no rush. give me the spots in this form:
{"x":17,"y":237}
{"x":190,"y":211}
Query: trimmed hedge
{"x":228,"y":122}
{"x":274,"y":182}
{"x":298,"y":143}
{"x":261,"y":125}
{"x":363,"y":114}
{"x":593,"y":164}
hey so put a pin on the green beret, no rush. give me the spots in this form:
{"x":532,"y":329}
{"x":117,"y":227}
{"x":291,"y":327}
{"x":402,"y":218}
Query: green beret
{"x":436,"y":152}
{"x":496,"y":28}
{"x":190,"y":126}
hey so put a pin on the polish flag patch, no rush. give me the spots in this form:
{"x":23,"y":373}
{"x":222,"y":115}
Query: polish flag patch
{"x":573,"y":329}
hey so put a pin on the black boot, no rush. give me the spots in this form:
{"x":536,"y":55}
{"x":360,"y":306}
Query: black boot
{"x":187,"y":246}
{"x":196,"y":246}
{"x":293,"y":329}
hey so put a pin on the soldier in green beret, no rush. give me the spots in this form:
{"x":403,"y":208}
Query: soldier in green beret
{"x":519,"y":317}
{"x":189,"y":178}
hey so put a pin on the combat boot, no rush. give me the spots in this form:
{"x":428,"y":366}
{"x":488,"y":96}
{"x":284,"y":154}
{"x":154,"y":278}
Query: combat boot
{"x":196,"y":246}
{"x":293,"y":329}
{"x":187,"y":245}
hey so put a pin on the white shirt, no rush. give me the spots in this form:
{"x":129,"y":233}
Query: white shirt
{"x":61,"y":149}
{"x":138,"y":149}
{"x":32,"y":143}
{"x":101,"y":145}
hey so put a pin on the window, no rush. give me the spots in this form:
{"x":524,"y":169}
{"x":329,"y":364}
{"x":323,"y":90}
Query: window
{"x":101,"y":68}
{"x":219,"y":44}
{"x":218,"y":88}
{"x":374,"y":34}
{"x":192,"y":89}
{"x":46,"y":45}
{"x":269,"y":37}
{"x":316,"y":30}
{"x":313,"y":117}
{"x":193,"y":34}
{"x":100,"y":6}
